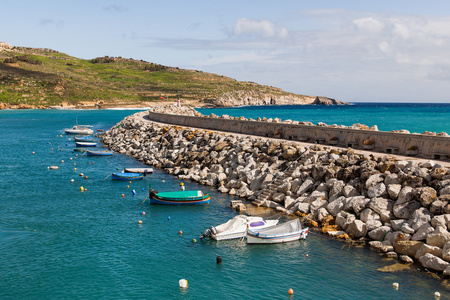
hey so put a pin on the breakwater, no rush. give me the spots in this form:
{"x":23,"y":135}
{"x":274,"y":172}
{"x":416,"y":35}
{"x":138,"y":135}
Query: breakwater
{"x":399,"y":207}
{"x":358,"y":136}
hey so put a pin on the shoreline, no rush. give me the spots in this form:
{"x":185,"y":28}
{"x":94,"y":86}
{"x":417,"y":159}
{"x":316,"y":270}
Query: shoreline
{"x":375,"y":199}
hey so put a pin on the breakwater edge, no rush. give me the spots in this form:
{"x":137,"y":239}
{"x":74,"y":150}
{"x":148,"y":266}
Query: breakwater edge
{"x":399,"y":207}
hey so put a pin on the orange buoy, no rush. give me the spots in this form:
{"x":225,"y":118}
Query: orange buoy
{"x":291,"y":292}
{"x":140,"y":222}
{"x":123,"y":195}
{"x":86,"y":177}
{"x":306,"y":255}
{"x":180,"y":232}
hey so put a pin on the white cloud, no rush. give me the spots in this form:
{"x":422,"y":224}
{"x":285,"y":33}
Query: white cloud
{"x":369,"y":24}
{"x":259,"y":29}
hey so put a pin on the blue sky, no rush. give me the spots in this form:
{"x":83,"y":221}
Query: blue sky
{"x":350,"y":50}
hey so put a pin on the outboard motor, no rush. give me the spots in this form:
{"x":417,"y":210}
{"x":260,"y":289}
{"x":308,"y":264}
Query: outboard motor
{"x":209,"y":233}
{"x":152,"y":192}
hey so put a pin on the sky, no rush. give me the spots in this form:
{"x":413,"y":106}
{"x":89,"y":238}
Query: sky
{"x":350,"y":50}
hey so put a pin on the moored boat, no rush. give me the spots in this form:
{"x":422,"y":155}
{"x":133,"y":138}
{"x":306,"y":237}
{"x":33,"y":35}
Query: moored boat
{"x":80,"y":149}
{"x":237,"y":227}
{"x":79,"y":129}
{"x":179,"y":197}
{"x":86,"y":144}
{"x":282,"y":233}
{"x":86,"y":138}
{"x":139,"y":170}
{"x":126,"y":176}
{"x":99,"y":152}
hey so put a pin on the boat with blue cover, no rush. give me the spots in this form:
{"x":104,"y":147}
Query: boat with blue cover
{"x":179,"y":197}
{"x":86,"y":138}
{"x":236,"y":228}
{"x":99,"y":152}
{"x":126,"y":176}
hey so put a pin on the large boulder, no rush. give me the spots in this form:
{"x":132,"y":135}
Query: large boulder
{"x":433,"y":262}
{"x":343,"y":219}
{"x":419,"y":218}
{"x":357,"y":229}
{"x":439,"y":237}
{"x":436,"y":251}
{"x":409,"y":248}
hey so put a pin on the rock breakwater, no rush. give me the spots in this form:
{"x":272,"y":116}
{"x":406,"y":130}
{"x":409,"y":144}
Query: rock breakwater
{"x":400,"y":208}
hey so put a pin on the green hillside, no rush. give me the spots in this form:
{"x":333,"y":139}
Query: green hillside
{"x":44,"y":77}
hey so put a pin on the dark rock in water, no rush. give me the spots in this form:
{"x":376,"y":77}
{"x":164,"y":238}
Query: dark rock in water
{"x":328,"y":101}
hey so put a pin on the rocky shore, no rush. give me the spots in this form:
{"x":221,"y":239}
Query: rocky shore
{"x":399,"y":207}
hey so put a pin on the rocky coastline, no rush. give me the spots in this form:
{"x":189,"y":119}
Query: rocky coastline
{"x":398,"y":207}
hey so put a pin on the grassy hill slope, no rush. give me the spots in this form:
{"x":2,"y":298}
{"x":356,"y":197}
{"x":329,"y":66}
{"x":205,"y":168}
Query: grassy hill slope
{"x":44,"y":78}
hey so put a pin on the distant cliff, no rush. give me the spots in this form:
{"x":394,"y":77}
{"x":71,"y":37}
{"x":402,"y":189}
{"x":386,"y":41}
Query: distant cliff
{"x":248,"y":98}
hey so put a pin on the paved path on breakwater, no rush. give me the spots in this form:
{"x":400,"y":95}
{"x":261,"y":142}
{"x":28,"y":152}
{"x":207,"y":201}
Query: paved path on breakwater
{"x":363,"y":152}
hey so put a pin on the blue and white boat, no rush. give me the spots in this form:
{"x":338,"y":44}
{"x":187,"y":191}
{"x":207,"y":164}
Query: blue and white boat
{"x":283,"y":233}
{"x":126,"y":176}
{"x":86,"y":144}
{"x":99,"y":152}
{"x":86,"y":138}
{"x":237,"y":227}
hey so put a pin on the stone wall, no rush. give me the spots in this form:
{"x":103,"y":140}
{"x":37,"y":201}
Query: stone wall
{"x":420,"y":145}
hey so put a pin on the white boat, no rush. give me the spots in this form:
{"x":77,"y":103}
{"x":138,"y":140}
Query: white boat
{"x":282,"y":233}
{"x":79,"y":129}
{"x":237,"y":227}
{"x":139,"y":170}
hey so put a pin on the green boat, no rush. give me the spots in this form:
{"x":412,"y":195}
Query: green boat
{"x":79,"y":149}
{"x":179,"y":197}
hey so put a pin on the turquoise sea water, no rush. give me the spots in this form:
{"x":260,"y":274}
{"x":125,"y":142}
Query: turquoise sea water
{"x":59,"y":243}
{"x":415,"y":117}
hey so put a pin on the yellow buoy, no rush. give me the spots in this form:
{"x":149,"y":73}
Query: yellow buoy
{"x":81,"y":188}
{"x":128,"y":186}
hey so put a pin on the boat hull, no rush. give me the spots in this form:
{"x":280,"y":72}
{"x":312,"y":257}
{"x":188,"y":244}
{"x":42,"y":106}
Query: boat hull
{"x":253,"y":238}
{"x":126,"y":176}
{"x":79,"y":149}
{"x":180,"y":198}
{"x":283,"y":233}
{"x":84,"y":139}
{"x":139,"y":170}
{"x":79,"y":130}
{"x":86,"y":144}
{"x":98,"y":153}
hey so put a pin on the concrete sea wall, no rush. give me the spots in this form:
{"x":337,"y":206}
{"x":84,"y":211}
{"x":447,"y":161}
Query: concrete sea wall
{"x":427,"y":145}
{"x":399,"y":207}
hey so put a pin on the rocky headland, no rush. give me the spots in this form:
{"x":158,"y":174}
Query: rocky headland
{"x":399,"y":207}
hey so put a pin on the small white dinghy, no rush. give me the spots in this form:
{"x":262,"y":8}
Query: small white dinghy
{"x":139,"y":170}
{"x":283,"y":233}
{"x":237,"y":227}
